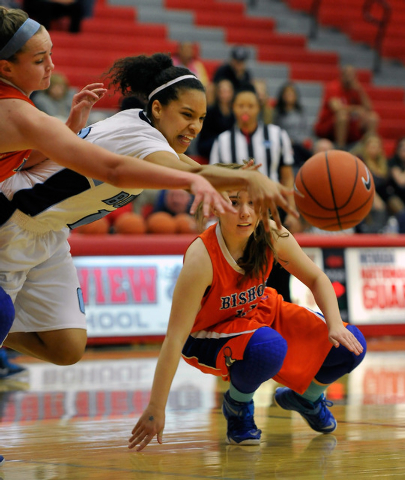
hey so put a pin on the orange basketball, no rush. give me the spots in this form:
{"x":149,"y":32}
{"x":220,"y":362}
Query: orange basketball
{"x":160,"y":222}
{"x":334,"y":190}
{"x":99,"y":227}
{"x":130,"y":223}
{"x":185,"y":223}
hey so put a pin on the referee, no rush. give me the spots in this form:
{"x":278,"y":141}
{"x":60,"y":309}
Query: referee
{"x":270,"y":147}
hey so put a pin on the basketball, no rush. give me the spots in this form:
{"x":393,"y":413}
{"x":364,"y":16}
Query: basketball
{"x":334,"y":190}
{"x":130,"y":223}
{"x":160,"y":222}
{"x":99,"y":227}
{"x":185,"y":223}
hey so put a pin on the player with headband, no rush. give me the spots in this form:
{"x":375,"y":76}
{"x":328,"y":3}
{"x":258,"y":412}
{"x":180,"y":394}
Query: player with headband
{"x":160,"y":135}
{"x":29,"y":135}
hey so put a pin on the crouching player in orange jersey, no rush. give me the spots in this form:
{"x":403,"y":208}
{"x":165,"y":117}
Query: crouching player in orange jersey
{"x":233,"y":326}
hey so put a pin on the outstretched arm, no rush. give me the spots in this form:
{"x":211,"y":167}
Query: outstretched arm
{"x":295,"y":261}
{"x":82,"y":104}
{"x":193,"y":280}
{"x":25,"y":127}
{"x":265,"y":193}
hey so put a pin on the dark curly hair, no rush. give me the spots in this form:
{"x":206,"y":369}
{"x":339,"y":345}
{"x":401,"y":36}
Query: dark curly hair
{"x":142,"y":74}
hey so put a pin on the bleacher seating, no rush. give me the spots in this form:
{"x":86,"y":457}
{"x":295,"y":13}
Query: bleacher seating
{"x":114,"y":32}
{"x":347,"y":16}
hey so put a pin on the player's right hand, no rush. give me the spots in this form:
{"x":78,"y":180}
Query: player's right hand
{"x":206,"y":194}
{"x":266,"y":194}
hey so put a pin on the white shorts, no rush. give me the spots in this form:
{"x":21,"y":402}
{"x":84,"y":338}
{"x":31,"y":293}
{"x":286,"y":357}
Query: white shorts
{"x":37,"y":271}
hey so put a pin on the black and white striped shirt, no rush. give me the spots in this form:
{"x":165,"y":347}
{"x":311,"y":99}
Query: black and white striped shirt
{"x":268,"y":145}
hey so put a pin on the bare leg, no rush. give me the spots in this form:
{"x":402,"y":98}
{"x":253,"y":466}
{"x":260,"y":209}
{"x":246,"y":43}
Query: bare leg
{"x":341,"y":126}
{"x":61,"y":347}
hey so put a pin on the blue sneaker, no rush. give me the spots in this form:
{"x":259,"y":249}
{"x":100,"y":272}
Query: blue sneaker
{"x":316,"y":413}
{"x":7,"y":369}
{"x":2,"y":459}
{"x":242,"y":429}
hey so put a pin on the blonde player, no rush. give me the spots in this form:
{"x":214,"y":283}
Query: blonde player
{"x":26,"y":66}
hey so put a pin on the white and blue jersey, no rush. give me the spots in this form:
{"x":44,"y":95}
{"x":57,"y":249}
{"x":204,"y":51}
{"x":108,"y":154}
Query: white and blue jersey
{"x":38,"y":207}
{"x":50,"y":197}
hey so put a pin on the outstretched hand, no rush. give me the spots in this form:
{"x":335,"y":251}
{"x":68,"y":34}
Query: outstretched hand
{"x":267,"y":194}
{"x":342,"y":336}
{"x":206,"y":194}
{"x":150,"y":424}
{"x":82,"y":104}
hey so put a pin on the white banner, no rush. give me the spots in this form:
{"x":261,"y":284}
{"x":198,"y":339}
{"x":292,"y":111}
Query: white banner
{"x":128,"y":295}
{"x":300,"y":293}
{"x":376,"y":285}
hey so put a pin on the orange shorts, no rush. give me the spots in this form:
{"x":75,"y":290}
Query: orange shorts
{"x":213,"y":351}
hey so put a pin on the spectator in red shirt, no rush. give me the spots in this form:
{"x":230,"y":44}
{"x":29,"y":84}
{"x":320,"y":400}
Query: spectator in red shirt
{"x":347,"y":113}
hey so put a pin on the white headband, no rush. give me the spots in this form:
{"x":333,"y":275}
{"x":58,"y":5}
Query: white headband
{"x":165,"y":85}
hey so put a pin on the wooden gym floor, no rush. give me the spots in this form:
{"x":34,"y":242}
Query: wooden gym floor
{"x":72,"y":423}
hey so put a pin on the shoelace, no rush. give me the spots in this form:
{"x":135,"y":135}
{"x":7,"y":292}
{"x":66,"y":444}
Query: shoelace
{"x":323,"y":404}
{"x":241,"y":423}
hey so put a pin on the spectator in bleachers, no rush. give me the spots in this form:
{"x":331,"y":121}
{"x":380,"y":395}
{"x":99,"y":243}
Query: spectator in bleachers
{"x":10,"y":4}
{"x":266,"y":103}
{"x":386,"y":202}
{"x":219,"y":118}
{"x":56,"y":100}
{"x":396,"y":167}
{"x":235,"y":70}
{"x":347,"y":112}
{"x":45,"y":11}
{"x":290,"y":116}
{"x":186,"y":57}
{"x":87,"y":7}
{"x":175,"y":204}
{"x":322,"y":145}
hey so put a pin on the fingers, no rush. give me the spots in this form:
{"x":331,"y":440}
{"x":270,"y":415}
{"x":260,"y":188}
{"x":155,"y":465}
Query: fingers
{"x":140,"y":441}
{"x":349,"y":341}
{"x":211,"y":200}
{"x":92,"y":96}
{"x":142,"y":437}
{"x":92,"y":86}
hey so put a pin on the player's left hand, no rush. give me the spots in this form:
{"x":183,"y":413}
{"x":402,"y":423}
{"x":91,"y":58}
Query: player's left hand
{"x":150,"y":424}
{"x":342,"y":336}
{"x":82,"y":104}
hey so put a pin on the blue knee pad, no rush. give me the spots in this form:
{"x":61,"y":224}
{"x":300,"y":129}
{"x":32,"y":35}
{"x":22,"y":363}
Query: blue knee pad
{"x":341,"y":361}
{"x":7,"y":314}
{"x":263,"y":357}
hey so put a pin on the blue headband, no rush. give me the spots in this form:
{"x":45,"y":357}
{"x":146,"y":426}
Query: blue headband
{"x":19,"y":39}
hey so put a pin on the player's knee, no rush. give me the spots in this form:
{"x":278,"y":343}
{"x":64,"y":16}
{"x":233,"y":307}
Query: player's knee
{"x":7,"y":312}
{"x":68,"y":351}
{"x":267,"y":350}
{"x":70,"y":357}
{"x":357,"y":359}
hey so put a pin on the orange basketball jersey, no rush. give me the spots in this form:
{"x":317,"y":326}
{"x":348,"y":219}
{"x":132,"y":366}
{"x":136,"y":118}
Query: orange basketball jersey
{"x":224,"y":299}
{"x":229,"y":316}
{"x":11,"y":162}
